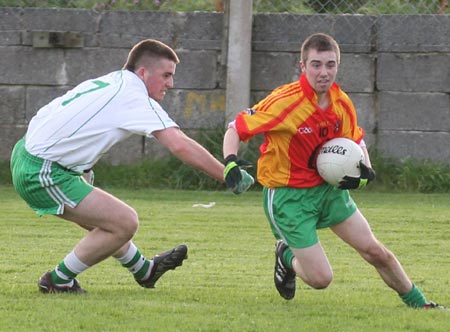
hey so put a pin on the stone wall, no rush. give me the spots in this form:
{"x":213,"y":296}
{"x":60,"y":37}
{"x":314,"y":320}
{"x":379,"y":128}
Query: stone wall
{"x":396,"y":69}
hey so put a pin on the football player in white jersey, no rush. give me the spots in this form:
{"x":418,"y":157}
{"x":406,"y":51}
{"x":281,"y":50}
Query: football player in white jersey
{"x":69,"y":135}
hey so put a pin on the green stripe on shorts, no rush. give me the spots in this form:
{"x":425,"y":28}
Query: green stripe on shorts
{"x":46,"y":186}
{"x":295,"y":214}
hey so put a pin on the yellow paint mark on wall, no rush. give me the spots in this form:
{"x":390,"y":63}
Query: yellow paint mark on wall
{"x":203,"y":103}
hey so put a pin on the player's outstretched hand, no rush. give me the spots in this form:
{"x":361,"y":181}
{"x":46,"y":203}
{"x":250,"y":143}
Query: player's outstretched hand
{"x":367,"y":175}
{"x":246,"y":182}
{"x":236,"y":179}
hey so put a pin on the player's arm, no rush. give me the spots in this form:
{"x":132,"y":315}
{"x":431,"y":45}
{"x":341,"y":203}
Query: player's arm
{"x":363,"y":146}
{"x":231,"y":142}
{"x":190,"y":152}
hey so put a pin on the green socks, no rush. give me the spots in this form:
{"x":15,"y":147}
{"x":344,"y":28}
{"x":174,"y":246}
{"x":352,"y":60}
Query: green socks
{"x":136,"y":263}
{"x":414,"y":298}
{"x":64,"y":273}
{"x":287,"y":257}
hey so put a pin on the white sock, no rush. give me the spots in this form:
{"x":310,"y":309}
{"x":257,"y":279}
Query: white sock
{"x":136,"y":263}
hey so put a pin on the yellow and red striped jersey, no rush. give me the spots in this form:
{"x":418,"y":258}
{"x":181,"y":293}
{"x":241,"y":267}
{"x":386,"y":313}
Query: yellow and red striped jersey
{"x":294,"y":127}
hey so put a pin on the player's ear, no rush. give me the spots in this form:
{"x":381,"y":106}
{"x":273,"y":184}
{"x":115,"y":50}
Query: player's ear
{"x":140,"y":72}
{"x":302,"y":65}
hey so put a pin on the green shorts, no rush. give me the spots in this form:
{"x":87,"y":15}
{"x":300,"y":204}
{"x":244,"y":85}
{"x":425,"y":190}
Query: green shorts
{"x":46,"y":186}
{"x":295,"y":214}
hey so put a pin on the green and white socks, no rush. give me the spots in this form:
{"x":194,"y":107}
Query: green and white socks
{"x":67,"y":270}
{"x":140,"y":267}
{"x":136,"y":263}
{"x":71,"y":266}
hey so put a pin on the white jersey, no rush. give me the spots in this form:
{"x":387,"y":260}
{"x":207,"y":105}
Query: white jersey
{"x":78,"y":128}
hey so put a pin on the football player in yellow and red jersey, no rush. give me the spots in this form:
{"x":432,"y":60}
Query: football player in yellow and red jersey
{"x":296,"y":119}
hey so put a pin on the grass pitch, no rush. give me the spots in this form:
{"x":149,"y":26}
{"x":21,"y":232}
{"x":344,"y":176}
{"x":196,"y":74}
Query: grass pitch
{"x":226,"y":283}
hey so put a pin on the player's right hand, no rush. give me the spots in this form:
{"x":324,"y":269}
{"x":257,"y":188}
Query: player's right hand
{"x":234,"y":175}
{"x":367,"y":175}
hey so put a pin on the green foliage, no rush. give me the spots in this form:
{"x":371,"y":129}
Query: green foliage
{"x":164,"y":5}
{"x":327,"y":6}
{"x":410,"y":175}
{"x":371,"y":7}
{"x":226,"y":284}
{"x":167,"y":172}
{"x":5,"y":173}
{"x":273,"y":6}
{"x":401,"y":7}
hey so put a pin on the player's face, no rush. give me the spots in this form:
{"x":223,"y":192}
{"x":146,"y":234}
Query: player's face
{"x":320,"y":69}
{"x":158,"y":78}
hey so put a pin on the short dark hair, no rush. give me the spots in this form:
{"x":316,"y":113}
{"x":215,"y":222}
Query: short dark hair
{"x":149,"y":49}
{"x":320,"y":42}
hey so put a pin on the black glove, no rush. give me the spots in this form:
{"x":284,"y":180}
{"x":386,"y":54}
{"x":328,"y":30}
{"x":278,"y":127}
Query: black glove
{"x":232,"y":171}
{"x":367,"y":175}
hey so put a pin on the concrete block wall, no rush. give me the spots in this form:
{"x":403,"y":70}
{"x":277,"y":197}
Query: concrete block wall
{"x":396,"y":69}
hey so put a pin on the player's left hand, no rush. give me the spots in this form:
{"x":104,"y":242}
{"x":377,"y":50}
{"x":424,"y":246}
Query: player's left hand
{"x":235,"y":178}
{"x":246,"y":182}
{"x":367,"y":175}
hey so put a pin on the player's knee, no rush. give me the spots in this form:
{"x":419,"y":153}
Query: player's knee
{"x":322,"y":284}
{"x":128,"y":225}
{"x":377,"y":254}
{"x":321,"y":281}
{"x":133,"y":223}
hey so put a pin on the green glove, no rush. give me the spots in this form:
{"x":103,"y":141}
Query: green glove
{"x":246,"y":182}
{"x":234,"y":178}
